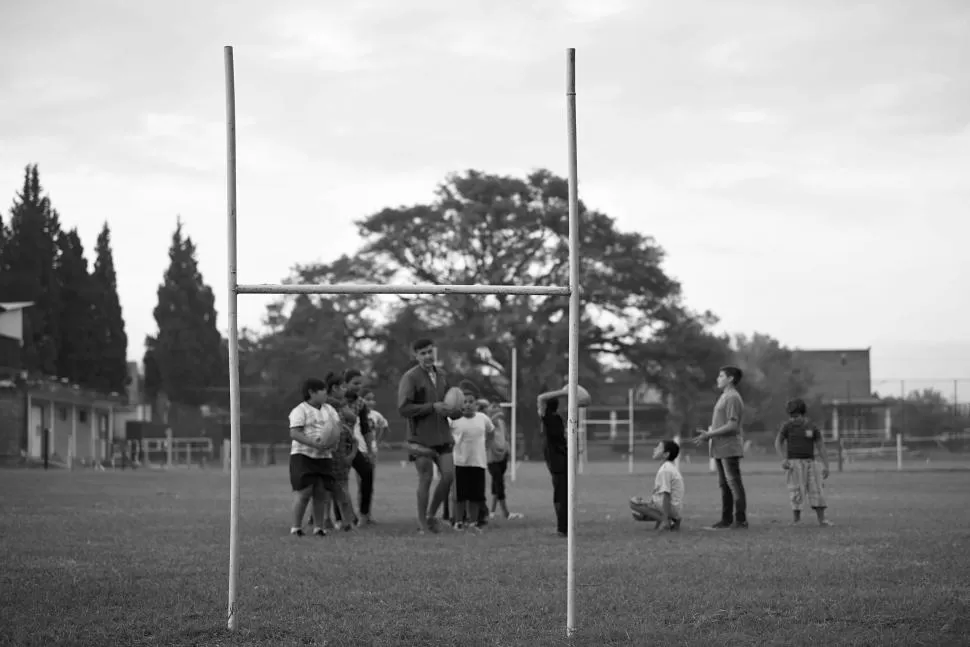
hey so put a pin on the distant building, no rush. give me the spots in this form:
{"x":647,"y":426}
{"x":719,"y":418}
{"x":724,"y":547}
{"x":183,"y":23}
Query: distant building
{"x":80,"y":425}
{"x":842,"y":386}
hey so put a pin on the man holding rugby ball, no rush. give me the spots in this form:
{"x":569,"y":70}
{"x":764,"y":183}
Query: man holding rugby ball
{"x":420,"y":399}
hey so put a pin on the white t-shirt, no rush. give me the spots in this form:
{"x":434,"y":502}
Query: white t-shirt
{"x":669,"y":481}
{"x":359,"y":437}
{"x":316,"y":424}
{"x":470,"y":435}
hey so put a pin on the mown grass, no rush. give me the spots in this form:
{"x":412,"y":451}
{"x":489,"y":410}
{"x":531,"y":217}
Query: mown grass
{"x":140,"y":558}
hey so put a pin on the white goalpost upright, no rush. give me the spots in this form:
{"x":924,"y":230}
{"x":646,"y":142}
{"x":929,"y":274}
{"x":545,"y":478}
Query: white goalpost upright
{"x":513,"y":407}
{"x":629,"y":416}
{"x":235,"y":289}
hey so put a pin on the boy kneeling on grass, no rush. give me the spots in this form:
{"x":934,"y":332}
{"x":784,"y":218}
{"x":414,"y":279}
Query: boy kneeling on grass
{"x":801,"y":461}
{"x":665,"y":505}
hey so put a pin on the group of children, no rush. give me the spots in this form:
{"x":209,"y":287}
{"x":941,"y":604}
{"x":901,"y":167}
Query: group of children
{"x":800,"y":445}
{"x":334,"y":430}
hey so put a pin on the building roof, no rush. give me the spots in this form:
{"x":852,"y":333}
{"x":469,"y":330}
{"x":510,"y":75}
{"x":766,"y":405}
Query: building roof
{"x":9,"y":306}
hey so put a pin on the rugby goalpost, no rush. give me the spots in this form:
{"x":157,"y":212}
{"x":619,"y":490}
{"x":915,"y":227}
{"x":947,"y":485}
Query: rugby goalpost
{"x":235,"y":289}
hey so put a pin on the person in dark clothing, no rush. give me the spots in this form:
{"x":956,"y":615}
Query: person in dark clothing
{"x":554,"y":431}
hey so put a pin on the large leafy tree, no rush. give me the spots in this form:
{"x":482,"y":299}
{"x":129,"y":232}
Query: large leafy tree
{"x":501,"y":230}
{"x":186,"y":359}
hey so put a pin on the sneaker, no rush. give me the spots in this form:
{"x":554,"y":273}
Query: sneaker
{"x":675,"y":524}
{"x":296,"y":532}
{"x":739,"y":525}
{"x":319,"y":532}
{"x":826,"y":524}
{"x":515,"y":515}
{"x":458,"y":526}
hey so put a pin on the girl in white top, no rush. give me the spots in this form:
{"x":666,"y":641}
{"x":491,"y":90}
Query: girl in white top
{"x":314,"y":430}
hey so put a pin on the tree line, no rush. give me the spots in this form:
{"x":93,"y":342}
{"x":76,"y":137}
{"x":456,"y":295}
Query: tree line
{"x":479,"y":228}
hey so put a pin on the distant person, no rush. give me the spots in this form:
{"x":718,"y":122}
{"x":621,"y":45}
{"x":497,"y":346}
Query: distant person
{"x":343,"y":452}
{"x":498,"y":460}
{"x":801,"y":447}
{"x":554,"y":433}
{"x":313,"y":430}
{"x":421,"y":393}
{"x":364,"y":459}
{"x":379,"y":425}
{"x":725,"y":438}
{"x":665,"y":506}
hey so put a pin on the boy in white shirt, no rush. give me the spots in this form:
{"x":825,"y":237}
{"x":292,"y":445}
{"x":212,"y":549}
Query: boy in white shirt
{"x":471,"y":433}
{"x":666,"y":503}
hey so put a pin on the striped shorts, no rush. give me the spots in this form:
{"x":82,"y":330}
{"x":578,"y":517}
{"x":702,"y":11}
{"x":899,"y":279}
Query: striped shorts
{"x":805,"y":483}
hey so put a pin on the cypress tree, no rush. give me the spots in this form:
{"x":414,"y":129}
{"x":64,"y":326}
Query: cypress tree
{"x":186,"y":358}
{"x":110,"y":338}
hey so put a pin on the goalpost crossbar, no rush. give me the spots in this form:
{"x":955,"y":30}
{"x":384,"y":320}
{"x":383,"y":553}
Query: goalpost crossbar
{"x":417,"y":288}
{"x":235,"y":289}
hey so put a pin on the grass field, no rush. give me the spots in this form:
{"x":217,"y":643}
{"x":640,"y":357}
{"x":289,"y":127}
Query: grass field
{"x":140,"y":558}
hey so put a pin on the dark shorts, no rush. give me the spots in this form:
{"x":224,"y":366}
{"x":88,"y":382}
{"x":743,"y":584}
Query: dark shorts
{"x":497,"y":471}
{"x":469,"y":483}
{"x":417,"y":450}
{"x":306,"y":472}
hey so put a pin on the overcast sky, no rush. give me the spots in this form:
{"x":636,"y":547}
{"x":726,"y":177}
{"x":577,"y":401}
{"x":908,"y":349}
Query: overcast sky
{"x":805,"y":164}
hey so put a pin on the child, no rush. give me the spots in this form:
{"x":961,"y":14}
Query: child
{"x":498,"y":458}
{"x":666,"y":502}
{"x":471,"y":433}
{"x":554,"y":434}
{"x":800,"y":460}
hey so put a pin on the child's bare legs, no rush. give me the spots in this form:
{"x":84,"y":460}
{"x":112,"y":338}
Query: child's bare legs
{"x":500,"y":503}
{"x":319,"y":507}
{"x":300,"y":500}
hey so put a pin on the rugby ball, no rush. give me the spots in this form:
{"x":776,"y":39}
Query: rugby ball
{"x":581,"y":393}
{"x":454,"y":398}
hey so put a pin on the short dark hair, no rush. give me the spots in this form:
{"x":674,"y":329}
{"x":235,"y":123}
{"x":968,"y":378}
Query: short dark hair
{"x":468,"y":388}
{"x":796,"y":407}
{"x":351,"y":397}
{"x":734,"y":373}
{"x":552,"y":405}
{"x":312,"y":385}
{"x":333,"y":379}
{"x":671,"y":449}
{"x":351,"y":373}
{"x":421,"y":344}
